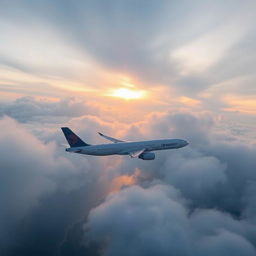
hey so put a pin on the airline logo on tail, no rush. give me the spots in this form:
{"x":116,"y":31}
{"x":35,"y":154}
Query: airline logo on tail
{"x":72,"y":139}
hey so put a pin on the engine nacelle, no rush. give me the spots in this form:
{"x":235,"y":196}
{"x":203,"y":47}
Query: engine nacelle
{"x":147,"y":156}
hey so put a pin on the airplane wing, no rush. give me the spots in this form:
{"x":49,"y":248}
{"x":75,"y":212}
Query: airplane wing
{"x":110,"y":138}
{"x":136,"y":153}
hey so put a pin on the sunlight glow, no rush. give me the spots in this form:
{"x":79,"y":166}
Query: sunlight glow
{"x":241,"y":104}
{"x":127,"y":94}
{"x":189,"y":101}
{"x":125,"y":181}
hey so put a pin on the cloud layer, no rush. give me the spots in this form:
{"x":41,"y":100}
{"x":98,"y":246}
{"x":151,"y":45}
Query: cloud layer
{"x":200,"y":208}
{"x":27,"y":109}
{"x":154,"y":221}
{"x":37,"y":182}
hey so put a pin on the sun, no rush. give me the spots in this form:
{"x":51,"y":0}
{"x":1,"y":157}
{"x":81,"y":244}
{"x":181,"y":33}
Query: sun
{"x":127,"y":94}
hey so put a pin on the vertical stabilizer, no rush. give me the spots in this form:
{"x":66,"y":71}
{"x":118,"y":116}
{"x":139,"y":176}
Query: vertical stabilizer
{"x":72,"y":139}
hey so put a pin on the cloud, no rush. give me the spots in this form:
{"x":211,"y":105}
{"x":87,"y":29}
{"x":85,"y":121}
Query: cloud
{"x":204,"y":173}
{"x":153,"y":221}
{"x":25,"y":174}
{"x":45,"y":191}
{"x":134,"y":38}
{"x":27,"y":109}
{"x":153,"y":209}
{"x":207,"y":50}
{"x":210,"y":212}
{"x":34,"y":176}
{"x":197,"y":200}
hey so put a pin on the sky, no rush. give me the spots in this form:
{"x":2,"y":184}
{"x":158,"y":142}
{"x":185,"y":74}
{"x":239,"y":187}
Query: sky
{"x":134,"y":70}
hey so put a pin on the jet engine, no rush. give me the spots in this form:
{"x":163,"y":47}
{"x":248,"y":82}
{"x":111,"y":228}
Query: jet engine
{"x":147,"y":156}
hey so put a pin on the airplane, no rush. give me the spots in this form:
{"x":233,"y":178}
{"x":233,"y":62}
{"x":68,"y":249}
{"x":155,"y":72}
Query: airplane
{"x":140,"y":149}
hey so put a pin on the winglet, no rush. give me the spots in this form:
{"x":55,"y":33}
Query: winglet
{"x":110,"y":138}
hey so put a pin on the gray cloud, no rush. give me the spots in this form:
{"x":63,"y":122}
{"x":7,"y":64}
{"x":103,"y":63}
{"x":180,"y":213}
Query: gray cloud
{"x":154,"y":221}
{"x":25,"y":174}
{"x":215,"y":203}
{"x":196,"y":200}
{"x":28,"y":109}
{"x":39,"y":184}
{"x":141,"y":37}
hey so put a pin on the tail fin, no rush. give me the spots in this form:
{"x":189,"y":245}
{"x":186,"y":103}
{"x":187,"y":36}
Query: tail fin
{"x":72,"y":139}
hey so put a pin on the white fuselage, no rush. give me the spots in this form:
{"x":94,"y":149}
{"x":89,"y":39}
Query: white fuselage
{"x":124,"y":148}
